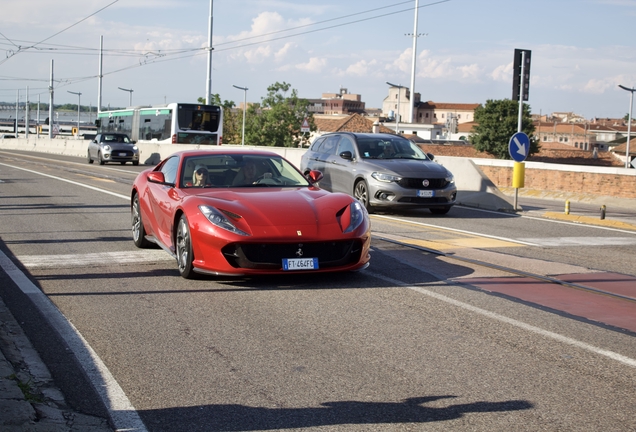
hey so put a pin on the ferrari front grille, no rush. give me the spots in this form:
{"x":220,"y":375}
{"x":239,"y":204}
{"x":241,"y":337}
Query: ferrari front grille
{"x":271,"y":255}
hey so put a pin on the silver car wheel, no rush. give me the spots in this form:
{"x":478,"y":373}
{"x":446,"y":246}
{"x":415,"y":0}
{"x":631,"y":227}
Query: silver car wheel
{"x":361,"y":193}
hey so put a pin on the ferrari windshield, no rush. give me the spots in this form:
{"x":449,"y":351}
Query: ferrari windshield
{"x":221,"y":170}
{"x":389,"y":148}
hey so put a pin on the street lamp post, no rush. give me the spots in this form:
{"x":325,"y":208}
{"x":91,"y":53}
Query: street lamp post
{"x":244,"y":110}
{"x":130,"y":97}
{"x":397,"y":116}
{"x":79,"y":101}
{"x":629,"y":122}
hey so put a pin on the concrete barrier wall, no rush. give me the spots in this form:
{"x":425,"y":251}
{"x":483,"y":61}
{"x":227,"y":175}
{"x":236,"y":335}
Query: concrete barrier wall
{"x":478,"y":180}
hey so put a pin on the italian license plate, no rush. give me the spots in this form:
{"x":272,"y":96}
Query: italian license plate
{"x":425,"y":193}
{"x":300,"y":264}
{"x":122,"y":154}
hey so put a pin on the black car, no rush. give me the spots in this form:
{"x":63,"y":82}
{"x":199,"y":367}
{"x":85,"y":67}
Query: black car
{"x":113,"y":147}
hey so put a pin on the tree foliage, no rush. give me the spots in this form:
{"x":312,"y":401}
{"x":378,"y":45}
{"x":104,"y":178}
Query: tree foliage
{"x":278,"y":120}
{"x":497,"y":122}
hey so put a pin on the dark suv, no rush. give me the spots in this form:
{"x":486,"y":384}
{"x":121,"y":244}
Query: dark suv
{"x":381,"y":170}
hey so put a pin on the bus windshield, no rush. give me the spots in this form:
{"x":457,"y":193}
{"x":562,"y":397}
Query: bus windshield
{"x":198,"y":117}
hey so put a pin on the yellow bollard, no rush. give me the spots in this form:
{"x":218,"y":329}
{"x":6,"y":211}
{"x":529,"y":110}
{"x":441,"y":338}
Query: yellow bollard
{"x":567,"y":207}
{"x":518,"y":175}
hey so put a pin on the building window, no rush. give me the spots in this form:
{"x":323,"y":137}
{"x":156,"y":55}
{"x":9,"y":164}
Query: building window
{"x":426,"y":115}
{"x":565,"y":139}
{"x":459,"y":116}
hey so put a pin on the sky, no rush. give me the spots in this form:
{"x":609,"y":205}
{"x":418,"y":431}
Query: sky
{"x":581,"y":50}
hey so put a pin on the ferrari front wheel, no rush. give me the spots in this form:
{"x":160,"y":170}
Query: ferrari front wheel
{"x":138,"y":230}
{"x":184,"y":249}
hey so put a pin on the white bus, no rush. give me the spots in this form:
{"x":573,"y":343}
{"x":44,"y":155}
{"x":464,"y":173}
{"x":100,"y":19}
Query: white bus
{"x":174,"y":123}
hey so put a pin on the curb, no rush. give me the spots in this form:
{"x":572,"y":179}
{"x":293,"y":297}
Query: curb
{"x":590,"y":220}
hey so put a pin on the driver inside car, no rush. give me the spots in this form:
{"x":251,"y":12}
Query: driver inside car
{"x":249,"y":174}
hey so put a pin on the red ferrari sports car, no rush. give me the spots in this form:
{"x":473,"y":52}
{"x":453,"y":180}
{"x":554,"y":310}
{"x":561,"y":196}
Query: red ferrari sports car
{"x":246,"y":212}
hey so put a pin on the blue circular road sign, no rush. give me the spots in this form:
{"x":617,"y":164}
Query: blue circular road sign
{"x":519,"y":146}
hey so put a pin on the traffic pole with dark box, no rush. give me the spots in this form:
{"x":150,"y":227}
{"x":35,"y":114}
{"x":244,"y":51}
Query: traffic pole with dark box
{"x":519,"y":144}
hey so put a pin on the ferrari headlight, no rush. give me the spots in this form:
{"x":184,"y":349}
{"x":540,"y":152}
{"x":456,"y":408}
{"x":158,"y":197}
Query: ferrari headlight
{"x":220,"y":220}
{"x":352,"y":217}
{"x":386,"y":178}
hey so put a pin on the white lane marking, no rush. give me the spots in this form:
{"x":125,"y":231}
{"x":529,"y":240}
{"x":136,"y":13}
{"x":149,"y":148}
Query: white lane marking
{"x":537,"y":330}
{"x":455,"y":230}
{"x":582,"y":241}
{"x":121,"y":411}
{"x":127,"y":198}
{"x":93,"y":259}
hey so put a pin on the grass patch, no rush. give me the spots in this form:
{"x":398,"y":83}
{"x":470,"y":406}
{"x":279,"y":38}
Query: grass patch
{"x":27,"y":390}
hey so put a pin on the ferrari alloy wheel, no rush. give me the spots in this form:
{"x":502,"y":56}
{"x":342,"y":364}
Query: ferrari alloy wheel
{"x":184,"y":249}
{"x":361,"y":193}
{"x":138,"y":231}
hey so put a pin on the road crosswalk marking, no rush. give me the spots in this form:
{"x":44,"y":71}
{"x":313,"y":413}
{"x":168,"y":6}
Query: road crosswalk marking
{"x":94,"y":259}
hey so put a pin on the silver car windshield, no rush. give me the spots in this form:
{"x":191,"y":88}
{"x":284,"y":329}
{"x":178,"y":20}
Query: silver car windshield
{"x":389,"y":148}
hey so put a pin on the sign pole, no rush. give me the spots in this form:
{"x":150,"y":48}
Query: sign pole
{"x":519,"y":166}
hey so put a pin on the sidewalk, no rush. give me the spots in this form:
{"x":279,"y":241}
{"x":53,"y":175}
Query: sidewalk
{"x":588,"y":209}
{"x":29,"y":400}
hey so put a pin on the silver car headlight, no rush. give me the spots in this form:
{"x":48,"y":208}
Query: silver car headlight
{"x":220,"y":220}
{"x":386,"y":178}
{"x":135,"y":148}
{"x":352,"y":217}
{"x":450,"y":179}
{"x":106,"y":147}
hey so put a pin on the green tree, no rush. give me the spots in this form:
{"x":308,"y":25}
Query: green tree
{"x":497,"y":122}
{"x":278,"y":120}
{"x":232,"y":124}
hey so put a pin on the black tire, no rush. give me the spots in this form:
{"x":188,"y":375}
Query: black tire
{"x":138,"y":230}
{"x":123,"y":163}
{"x":440,"y":210}
{"x":184,"y":249}
{"x":361,"y":193}
{"x":88,"y":157}
{"x":99,"y":158}
{"x":135,"y":163}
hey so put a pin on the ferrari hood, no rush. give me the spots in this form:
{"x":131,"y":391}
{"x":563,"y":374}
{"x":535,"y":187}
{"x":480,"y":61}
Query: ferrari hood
{"x":281,"y":208}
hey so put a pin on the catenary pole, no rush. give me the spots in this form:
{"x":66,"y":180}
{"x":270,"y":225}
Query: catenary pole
{"x":208,"y":87}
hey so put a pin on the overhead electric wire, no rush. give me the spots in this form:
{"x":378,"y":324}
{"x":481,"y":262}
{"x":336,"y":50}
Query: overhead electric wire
{"x":20,"y":49}
{"x":177,"y":54}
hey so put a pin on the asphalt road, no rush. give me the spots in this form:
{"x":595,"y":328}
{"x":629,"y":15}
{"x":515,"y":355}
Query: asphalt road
{"x":404,"y":345}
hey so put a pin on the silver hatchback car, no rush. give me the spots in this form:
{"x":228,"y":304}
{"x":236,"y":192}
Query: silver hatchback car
{"x":113,"y":147}
{"x":381,"y":170}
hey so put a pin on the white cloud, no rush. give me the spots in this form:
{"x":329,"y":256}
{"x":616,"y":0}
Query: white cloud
{"x":361,"y":68}
{"x":314,"y":65}
{"x":502,"y":73}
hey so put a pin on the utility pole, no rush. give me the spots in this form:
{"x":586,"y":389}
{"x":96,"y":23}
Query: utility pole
{"x":208,"y":87}
{"x":100,"y":74}
{"x":51,"y":94}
